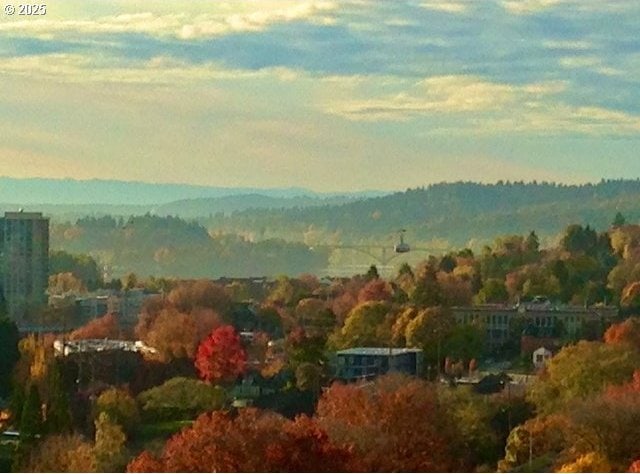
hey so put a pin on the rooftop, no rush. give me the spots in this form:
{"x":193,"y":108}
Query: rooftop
{"x":23,"y":215}
{"x":99,"y":345}
{"x":377,"y":351}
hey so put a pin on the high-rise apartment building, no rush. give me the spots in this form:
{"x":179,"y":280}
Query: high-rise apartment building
{"x":24,"y":263}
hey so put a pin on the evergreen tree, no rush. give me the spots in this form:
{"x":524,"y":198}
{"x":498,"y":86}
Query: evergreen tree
{"x":31,"y":419}
{"x":9,"y":354}
{"x":405,"y":269}
{"x":619,"y":220}
{"x":532,"y":243}
{"x":17,"y":403}
{"x":58,"y":409}
{"x":427,"y":291}
{"x":372,"y":273}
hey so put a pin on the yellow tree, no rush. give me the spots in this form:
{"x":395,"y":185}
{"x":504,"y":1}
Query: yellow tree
{"x":109,"y":448}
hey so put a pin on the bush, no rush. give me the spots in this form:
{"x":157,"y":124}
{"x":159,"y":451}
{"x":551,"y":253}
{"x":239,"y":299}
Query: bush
{"x":180,"y":398}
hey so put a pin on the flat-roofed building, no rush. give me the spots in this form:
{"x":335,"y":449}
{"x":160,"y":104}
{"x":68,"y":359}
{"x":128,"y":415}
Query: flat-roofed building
{"x":24,"y":263}
{"x":368,"y":362}
{"x":540,"y":316}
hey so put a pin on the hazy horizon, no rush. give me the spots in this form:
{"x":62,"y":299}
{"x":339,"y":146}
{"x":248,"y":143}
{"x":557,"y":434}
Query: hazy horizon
{"x":78,"y":192}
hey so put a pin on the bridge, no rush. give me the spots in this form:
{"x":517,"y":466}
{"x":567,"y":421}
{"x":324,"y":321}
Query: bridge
{"x":381,"y":254}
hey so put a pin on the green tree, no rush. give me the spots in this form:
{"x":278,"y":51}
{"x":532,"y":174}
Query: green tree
{"x":581,"y":370}
{"x":130,"y":281}
{"x":16,"y":404}
{"x":58,"y":413}
{"x":427,"y":291}
{"x":309,"y":377}
{"x":578,"y":239}
{"x":471,"y":416}
{"x":9,"y":353}
{"x":618,"y":220}
{"x":465,"y":342}
{"x":31,"y":417}
{"x":109,"y":447}
{"x":83,"y":267}
{"x":429,"y":331}
{"x":532,"y":244}
{"x":447,"y":263}
{"x":180,"y":398}
{"x":372,"y":273}
{"x":120,"y":406}
{"x":493,"y":291}
{"x":363,"y":325}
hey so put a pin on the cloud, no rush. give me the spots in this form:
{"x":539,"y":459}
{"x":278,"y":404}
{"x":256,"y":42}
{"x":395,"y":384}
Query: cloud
{"x":443,"y":94}
{"x":572,"y":62}
{"x":158,"y":70}
{"x":593,"y":63}
{"x":253,"y":16}
{"x":559,"y":119}
{"x":446,"y":6}
{"x":522,"y":7}
{"x":579,"y":45}
{"x":207,"y":26}
{"x":470,"y":105}
{"x":527,"y":7}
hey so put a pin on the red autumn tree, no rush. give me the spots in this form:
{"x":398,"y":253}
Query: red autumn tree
{"x":145,"y":462}
{"x":396,"y":424}
{"x":375,"y":290}
{"x":635,"y":466}
{"x":105,"y":327}
{"x":221,"y":357}
{"x":253,"y":441}
{"x":306,"y":447}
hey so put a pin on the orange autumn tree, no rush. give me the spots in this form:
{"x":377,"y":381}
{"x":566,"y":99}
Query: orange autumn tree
{"x":395,"y":424}
{"x":305,"y":447}
{"x":252,"y":441}
{"x":626,"y":332}
{"x":105,"y":327}
{"x":221,"y":356}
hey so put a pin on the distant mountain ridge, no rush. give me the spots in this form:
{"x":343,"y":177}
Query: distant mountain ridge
{"x":455,"y":212}
{"x":293,"y":235}
{"x":31,"y":191}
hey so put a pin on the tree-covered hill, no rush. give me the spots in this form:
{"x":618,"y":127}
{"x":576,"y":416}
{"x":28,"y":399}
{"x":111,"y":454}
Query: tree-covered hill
{"x":256,"y":242}
{"x":170,"y":246}
{"x":455,"y":212}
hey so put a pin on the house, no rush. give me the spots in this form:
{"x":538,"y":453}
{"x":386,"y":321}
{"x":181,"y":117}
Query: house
{"x":368,"y":362}
{"x":540,"y":357}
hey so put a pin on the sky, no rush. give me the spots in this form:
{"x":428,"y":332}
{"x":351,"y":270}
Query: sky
{"x":329,"y":95}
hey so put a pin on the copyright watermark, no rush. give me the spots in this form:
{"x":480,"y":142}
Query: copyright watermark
{"x":25,"y":9}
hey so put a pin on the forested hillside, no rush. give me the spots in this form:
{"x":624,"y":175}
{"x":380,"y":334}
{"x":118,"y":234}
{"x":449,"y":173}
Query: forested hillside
{"x":169,"y":246}
{"x":455,"y":212}
{"x":256,"y":242}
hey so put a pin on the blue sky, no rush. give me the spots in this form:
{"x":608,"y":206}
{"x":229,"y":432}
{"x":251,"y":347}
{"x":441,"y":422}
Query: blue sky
{"x":329,"y":95}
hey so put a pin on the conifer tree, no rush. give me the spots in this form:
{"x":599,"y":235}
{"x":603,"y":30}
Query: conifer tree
{"x":58,"y":418}
{"x":9,"y":354}
{"x":31,"y":418}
